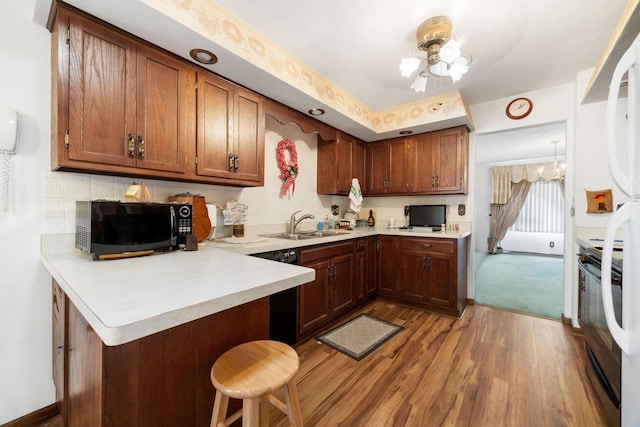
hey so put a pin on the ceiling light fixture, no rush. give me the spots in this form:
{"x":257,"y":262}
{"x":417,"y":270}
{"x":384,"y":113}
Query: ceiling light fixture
{"x":203,"y":56}
{"x":316,"y":111}
{"x":557,"y":166}
{"x":444,"y":57}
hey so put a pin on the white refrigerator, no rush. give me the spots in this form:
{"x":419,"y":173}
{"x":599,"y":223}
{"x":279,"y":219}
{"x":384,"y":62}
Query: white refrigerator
{"x":624,"y":164}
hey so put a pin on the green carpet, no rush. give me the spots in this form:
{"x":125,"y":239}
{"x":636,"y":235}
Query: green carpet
{"x":526,"y":283}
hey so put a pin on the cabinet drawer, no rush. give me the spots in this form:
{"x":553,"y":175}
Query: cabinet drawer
{"x":325,"y":251}
{"x":435,"y":245}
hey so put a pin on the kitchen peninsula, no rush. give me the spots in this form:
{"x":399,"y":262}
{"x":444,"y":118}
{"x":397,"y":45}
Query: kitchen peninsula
{"x":134,"y":339}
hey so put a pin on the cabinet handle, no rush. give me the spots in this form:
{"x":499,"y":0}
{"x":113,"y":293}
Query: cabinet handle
{"x":424,"y":262}
{"x":335,"y":272}
{"x":329,"y":273}
{"x":132,"y":146}
{"x":433,"y":181}
{"x":141,"y":147}
{"x":426,"y":245}
{"x":428,"y":263}
{"x":236,"y":162}
{"x":437,"y":180}
{"x":232,"y":162}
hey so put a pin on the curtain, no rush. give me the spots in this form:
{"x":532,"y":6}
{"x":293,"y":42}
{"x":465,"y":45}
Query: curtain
{"x":504,"y":215}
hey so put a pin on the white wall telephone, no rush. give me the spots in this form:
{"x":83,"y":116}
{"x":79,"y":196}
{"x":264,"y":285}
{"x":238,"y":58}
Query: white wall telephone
{"x":8,"y":145}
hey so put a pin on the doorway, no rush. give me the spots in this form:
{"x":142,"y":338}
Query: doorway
{"x":527,"y":275}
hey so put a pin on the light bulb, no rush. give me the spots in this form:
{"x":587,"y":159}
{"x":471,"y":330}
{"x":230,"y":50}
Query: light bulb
{"x":408,"y":66}
{"x":420,"y":83}
{"x":450,"y":51}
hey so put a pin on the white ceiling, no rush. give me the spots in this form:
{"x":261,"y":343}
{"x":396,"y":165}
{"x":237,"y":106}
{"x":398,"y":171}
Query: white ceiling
{"x":517,"y":46}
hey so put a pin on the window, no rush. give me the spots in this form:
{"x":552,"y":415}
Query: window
{"x":543,"y":211}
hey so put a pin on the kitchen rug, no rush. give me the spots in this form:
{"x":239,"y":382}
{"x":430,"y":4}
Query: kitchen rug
{"x":359,"y":336}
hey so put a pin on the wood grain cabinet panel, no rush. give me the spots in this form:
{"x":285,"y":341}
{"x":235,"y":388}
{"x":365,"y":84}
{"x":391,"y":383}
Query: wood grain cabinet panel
{"x":339,"y":161}
{"x":122,"y":106}
{"x":333,"y":292}
{"x":389,"y":273}
{"x":427,"y":273}
{"x":441,"y":162}
{"x":129,"y":105}
{"x":428,"y":163}
{"x":366,"y":268}
{"x":159,"y":380}
{"x":230,"y":138}
{"x":59,"y":323}
{"x":377,"y":158}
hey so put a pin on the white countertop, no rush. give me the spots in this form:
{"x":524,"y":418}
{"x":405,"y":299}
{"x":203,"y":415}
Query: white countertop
{"x":127,"y":299}
{"x":258,"y":244}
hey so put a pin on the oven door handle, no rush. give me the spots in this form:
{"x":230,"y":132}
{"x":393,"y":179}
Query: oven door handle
{"x":621,"y":336}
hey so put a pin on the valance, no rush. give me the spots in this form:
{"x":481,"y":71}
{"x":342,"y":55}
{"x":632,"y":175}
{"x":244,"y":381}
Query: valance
{"x":503,"y":176}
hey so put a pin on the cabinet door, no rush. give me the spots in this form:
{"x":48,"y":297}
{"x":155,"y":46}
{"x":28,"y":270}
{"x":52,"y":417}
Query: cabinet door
{"x":85,"y":386}
{"x":342,"y":284}
{"x":102,"y":94}
{"x":441,"y":288}
{"x":389,"y":271}
{"x":378,"y":167}
{"x":361,"y":275}
{"x":414,"y":285}
{"x":344,"y":161}
{"x":397,"y":169}
{"x":166,"y":106}
{"x":215,"y":127}
{"x":249,"y":137}
{"x":59,"y":313}
{"x":370,"y":267}
{"x":313,"y":299}
{"x":450,"y":158}
{"x":359,"y":162}
{"x":425,"y":175}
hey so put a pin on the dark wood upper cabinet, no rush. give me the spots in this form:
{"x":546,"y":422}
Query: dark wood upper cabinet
{"x":339,"y":161}
{"x":429,"y":163}
{"x":123,"y":106}
{"x":441,"y":162}
{"x":128,"y":105}
{"x":230,"y":141}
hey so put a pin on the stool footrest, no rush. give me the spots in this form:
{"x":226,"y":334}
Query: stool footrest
{"x":233,"y":417}
{"x":277,"y":403}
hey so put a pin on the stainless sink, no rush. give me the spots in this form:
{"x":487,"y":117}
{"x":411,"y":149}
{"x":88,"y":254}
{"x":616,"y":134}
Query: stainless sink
{"x":297,"y":236}
{"x":310,"y":234}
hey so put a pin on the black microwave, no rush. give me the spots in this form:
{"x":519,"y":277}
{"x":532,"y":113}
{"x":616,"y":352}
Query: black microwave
{"x":113,"y":227}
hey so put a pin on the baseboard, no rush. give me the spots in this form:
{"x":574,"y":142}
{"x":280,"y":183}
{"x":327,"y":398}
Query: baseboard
{"x":36,"y":417}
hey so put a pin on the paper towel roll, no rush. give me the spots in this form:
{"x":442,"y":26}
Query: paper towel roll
{"x":217,"y":222}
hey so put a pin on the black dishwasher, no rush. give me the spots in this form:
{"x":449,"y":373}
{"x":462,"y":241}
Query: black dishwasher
{"x":283,"y":314}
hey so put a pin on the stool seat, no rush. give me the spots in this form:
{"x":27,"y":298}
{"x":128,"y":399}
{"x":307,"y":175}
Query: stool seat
{"x":254,"y":369}
{"x":252,"y":372}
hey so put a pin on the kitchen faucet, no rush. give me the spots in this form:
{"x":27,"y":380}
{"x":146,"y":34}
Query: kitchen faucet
{"x":293,"y":223}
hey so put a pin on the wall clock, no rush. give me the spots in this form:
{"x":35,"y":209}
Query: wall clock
{"x":519,"y":108}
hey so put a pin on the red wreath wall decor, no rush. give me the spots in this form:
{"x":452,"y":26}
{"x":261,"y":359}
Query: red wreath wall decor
{"x":288,"y":170}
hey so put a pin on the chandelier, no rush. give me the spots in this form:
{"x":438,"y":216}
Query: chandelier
{"x":444,"y":57}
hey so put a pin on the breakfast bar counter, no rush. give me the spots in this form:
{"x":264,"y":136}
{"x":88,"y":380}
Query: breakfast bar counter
{"x":127,"y":299}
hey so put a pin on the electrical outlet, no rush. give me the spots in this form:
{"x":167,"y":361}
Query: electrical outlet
{"x":551,"y":244}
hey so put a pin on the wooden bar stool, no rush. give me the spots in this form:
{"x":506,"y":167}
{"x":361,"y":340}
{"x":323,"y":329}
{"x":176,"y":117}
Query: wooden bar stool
{"x":252,"y":372}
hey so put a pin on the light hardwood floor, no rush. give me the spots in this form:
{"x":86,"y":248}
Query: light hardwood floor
{"x":490,"y":368}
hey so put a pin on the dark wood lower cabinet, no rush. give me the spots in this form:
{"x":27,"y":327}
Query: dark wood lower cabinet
{"x":425,"y":272}
{"x":389,"y":277}
{"x":159,"y":380}
{"x":334,"y":291}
